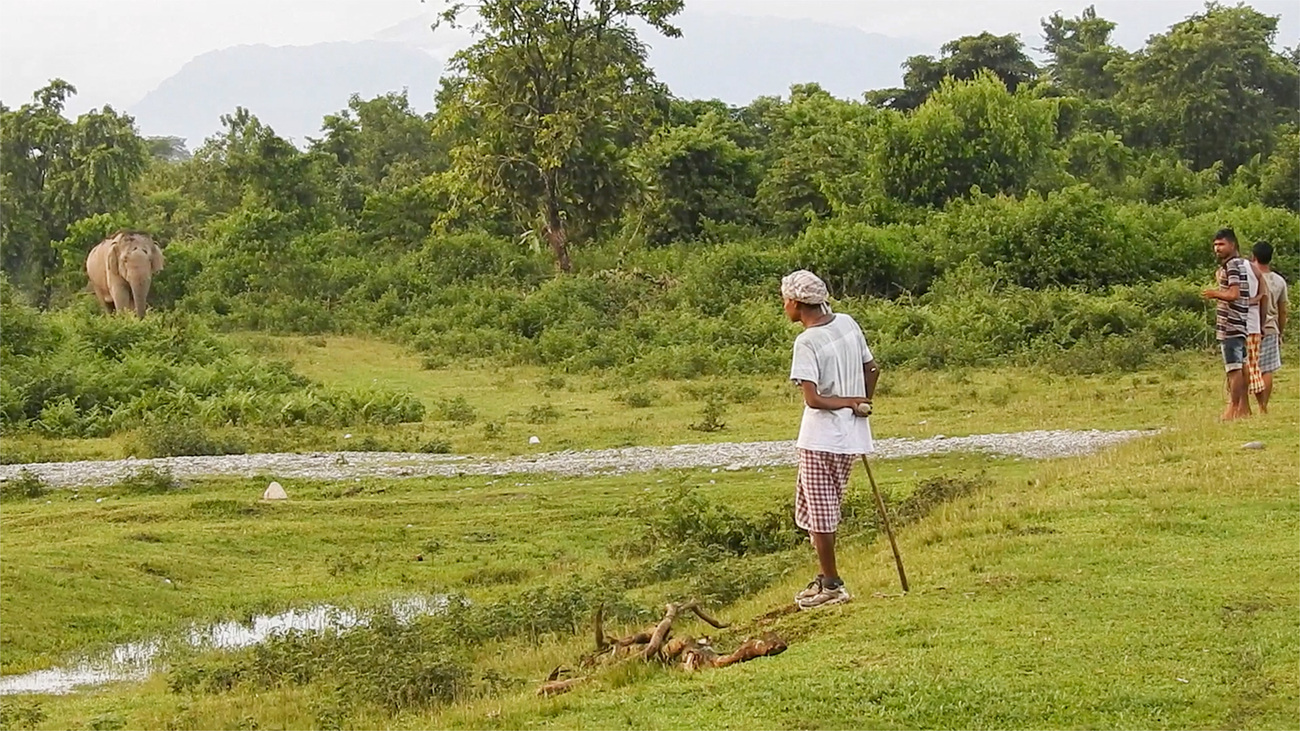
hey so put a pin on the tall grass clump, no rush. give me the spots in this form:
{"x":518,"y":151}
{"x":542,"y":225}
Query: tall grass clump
{"x":77,"y":373}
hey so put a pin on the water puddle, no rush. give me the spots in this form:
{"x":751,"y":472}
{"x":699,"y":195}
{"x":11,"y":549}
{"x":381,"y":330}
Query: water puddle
{"x":135,"y":661}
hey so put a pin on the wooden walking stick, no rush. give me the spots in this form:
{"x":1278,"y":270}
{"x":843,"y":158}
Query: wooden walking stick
{"x":884,"y":519}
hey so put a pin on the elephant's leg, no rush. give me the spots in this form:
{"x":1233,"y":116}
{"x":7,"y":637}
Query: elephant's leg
{"x":121,"y":292}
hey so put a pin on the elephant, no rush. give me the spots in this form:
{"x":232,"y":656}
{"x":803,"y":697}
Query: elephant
{"x":120,"y":269}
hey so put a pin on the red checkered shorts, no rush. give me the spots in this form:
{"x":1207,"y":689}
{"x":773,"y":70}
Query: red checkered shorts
{"x":1254,"y":378}
{"x":819,"y":489}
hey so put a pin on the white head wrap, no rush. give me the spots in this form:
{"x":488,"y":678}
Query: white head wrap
{"x":804,"y":286}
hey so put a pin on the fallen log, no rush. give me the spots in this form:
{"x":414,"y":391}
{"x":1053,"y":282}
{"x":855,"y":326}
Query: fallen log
{"x":693,"y":653}
{"x":556,"y":687}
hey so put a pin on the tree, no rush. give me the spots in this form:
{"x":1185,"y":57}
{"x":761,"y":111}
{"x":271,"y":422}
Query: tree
{"x":56,"y":172}
{"x":1215,"y":85}
{"x":249,"y":160}
{"x":383,"y":138}
{"x":967,"y":134}
{"x":696,"y":173}
{"x":820,"y":158}
{"x":167,"y":149}
{"x":1082,"y":60}
{"x":962,"y":59}
{"x":1279,"y":181}
{"x":545,"y":105}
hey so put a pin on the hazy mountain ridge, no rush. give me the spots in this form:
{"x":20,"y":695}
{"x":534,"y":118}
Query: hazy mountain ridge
{"x":731,"y":57}
{"x":290,"y":88}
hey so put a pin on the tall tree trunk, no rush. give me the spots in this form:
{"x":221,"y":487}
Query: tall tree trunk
{"x":555,"y":235}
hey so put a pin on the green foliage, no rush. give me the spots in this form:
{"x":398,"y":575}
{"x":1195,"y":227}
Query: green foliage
{"x":967,"y":135}
{"x":56,"y":172}
{"x":26,"y":486}
{"x":158,"y":438}
{"x":925,"y":208}
{"x":148,"y":480}
{"x":389,"y":663}
{"x":21,"y":714}
{"x":696,"y":174}
{"x":682,"y":516}
{"x":862,"y":260}
{"x":1215,"y":86}
{"x":711,"y":416}
{"x":76,"y":374}
{"x":1279,"y":180}
{"x":962,"y":59}
{"x":552,"y":92}
{"x":1083,"y":60}
{"x":458,"y":410}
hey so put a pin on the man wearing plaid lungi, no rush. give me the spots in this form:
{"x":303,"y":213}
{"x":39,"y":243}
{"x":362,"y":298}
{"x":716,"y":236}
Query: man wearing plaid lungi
{"x":836,"y":372}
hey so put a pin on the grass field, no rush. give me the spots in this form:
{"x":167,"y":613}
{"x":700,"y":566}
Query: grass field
{"x":487,"y":409}
{"x":1150,"y":586}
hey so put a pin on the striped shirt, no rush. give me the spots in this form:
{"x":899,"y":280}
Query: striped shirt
{"x":1230,"y":317}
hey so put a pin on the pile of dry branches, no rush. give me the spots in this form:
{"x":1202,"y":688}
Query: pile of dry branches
{"x":657,"y":643}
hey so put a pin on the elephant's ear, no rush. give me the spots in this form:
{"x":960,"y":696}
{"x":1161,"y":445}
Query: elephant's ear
{"x":156,"y":259}
{"x":114,"y":255}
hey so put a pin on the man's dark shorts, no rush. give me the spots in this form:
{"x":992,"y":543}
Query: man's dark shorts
{"x":1234,"y":353}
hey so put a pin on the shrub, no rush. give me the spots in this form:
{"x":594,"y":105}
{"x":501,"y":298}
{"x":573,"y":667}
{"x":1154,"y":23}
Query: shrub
{"x":639,"y":398}
{"x":457,"y":409}
{"x":183,"y":439}
{"x":149,"y":480}
{"x":857,"y":260}
{"x":27,"y":485}
{"x":542,"y":414}
{"x":711,"y":417}
{"x":435,"y":446}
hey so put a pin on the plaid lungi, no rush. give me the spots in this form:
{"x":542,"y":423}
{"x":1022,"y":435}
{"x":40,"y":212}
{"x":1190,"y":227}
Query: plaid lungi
{"x":1253,"y":374}
{"x":819,"y":489}
{"x":1270,"y":354}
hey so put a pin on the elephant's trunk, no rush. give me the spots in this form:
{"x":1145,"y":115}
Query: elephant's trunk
{"x":140,"y":295}
{"x":138,"y":275}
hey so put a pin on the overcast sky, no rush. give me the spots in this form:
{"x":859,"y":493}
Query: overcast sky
{"x":116,"y":51}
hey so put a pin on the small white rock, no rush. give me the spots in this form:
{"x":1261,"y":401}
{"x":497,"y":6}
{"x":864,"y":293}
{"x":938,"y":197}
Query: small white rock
{"x":1253,"y":445}
{"x":99,"y":499}
{"x":534,"y":440}
{"x":347,"y":436}
{"x":274,"y":491}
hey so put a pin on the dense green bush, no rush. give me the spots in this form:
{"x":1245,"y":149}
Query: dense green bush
{"x":79,"y":373}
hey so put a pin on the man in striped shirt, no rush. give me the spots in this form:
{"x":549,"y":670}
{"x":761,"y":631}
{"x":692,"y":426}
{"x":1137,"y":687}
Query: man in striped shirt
{"x":1232,"y":306}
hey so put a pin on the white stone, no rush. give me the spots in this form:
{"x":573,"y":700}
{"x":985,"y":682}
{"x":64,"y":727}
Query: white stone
{"x":534,"y":440}
{"x":1253,"y":445}
{"x":274,"y":492}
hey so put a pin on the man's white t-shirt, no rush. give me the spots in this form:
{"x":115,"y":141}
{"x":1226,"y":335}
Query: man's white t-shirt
{"x":1253,"y":323}
{"x":831,"y":356}
{"x":1276,"y":293}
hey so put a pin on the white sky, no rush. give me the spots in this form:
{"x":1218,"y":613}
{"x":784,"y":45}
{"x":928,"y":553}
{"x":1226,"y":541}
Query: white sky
{"x":116,"y":51}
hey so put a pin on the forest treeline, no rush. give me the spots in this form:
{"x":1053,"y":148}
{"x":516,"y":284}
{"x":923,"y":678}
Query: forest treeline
{"x":561,"y":206}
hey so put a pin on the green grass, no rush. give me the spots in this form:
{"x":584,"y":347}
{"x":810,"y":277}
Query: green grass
{"x":1150,"y":586}
{"x":592,"y":411}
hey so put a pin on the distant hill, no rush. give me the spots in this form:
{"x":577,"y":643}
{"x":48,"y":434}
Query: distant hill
{"x":730,"y":57}
{"x":290,"y":88}
{"x":737,"y":58}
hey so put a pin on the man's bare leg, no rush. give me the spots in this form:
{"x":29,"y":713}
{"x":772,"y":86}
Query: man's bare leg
{"x":1263,"y":396}
{"x":825,"y":545}
{"x":1240,"y":399}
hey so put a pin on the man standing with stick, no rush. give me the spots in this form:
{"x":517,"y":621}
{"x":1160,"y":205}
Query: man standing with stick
{"x":836,"y":372}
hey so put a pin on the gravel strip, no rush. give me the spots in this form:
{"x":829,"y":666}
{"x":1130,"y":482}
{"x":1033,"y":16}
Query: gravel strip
{"x":725,"y":455}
